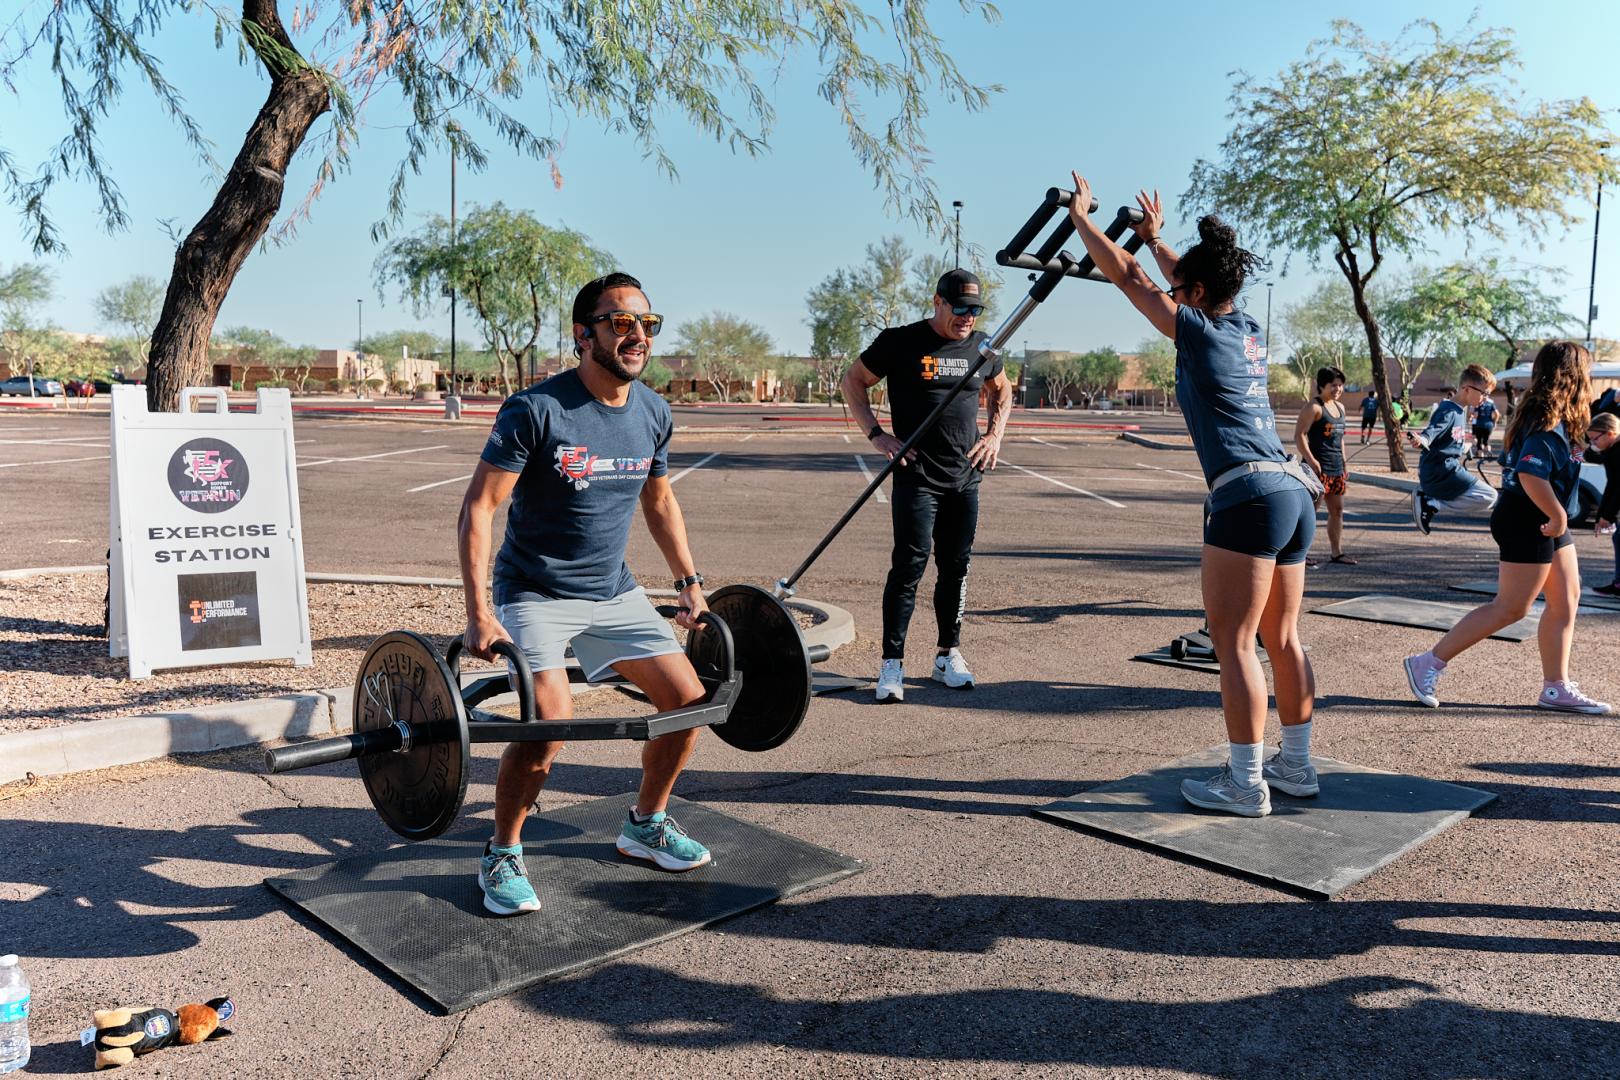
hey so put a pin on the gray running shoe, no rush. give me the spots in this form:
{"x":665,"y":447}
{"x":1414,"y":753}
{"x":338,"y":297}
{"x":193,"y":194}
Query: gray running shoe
{"x":1422,"y":676}
{"x":1422,"y":512}
{"x":1289,"y":777}
{"x":1221,"y":792}
{"x":1567,"y":697}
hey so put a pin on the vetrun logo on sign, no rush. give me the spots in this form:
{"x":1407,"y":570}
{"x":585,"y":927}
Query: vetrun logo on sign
{"x":208,"y":475}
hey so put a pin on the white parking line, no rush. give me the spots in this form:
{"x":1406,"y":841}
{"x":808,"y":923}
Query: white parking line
{"x":694,"y":468}
{"x":371,"y":457}
{"x":1173,"y":472}
{"x":54,"y":461}
{"x":1061,"y":484}
{"x":866,"y":472}
{"x":745,"y":438}
{"x":438,"y":483}
{"x":846,"y":438}
{"x":1043,"y":442}
{"x":94,"y":439}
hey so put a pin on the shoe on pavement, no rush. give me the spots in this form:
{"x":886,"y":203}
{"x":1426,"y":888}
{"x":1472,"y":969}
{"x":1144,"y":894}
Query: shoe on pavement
{"x":1567,"y":697}
{"x":1289,"y":776}
{"x":1611,"y":589}
{"x":505,"y":882}
{"x":1422,"y":512}
{"x":1423,"y":676}
{"x":891,"y":684}
{"x":952,"y":670}
{"x":659,"y":840}
{"x":1221,"y":792}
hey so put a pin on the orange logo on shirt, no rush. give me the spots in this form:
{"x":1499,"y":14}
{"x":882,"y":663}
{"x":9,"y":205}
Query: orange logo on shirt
{"x":930,"y":367}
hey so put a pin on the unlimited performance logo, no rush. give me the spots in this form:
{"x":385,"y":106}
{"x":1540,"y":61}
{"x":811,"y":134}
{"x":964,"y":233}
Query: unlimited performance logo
{"x":208,"y":475}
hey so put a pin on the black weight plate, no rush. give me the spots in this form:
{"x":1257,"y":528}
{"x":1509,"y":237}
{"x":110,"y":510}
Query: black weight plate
{"x":775,"y":667}
{"x":417,"y":792}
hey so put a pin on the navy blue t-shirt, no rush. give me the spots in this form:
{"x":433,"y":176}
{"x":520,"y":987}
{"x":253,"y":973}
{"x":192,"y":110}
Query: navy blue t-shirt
{"x":581,"y":465}
{"x":1485,"y":414}
{"x":1369,"y":408}
{"x":1221,"y":386}
{"x":1546,"y":454}
{"x":1442,"y":473}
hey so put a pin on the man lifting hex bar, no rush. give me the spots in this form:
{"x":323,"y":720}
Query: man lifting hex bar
{"x":575,"y":453}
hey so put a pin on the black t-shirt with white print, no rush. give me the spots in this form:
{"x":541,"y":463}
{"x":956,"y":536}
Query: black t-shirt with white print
{"x":921,"y":367}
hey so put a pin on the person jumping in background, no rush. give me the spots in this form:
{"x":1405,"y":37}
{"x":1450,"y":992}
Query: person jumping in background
{"x":1484,"y":426}
{"x":1369,"y":414}
{"x":1444,"y":482}
{"x":1530,"y":524}
{"x":1319,"y":436}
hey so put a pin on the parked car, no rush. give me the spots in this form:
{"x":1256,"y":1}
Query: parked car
{"x":17,"y":386}
{"x":79,"y":388}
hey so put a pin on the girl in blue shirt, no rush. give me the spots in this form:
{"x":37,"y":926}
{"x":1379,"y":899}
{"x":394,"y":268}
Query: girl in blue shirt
{"x":1260,"y":515}
{"x":1530,"y":524}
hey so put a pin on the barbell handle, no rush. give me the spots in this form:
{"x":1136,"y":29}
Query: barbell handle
{"x":520,"y":663}
{"x":307,"y":755}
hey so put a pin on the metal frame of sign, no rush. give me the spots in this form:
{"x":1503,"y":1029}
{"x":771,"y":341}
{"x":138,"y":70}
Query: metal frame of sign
{"x":206,"y":504}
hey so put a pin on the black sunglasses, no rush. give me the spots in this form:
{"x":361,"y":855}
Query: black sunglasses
{"x":974,"y":310}
{"x":622,"y":322}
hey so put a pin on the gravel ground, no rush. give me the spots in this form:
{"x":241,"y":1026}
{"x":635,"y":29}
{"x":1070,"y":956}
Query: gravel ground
{"x":57,"y":671}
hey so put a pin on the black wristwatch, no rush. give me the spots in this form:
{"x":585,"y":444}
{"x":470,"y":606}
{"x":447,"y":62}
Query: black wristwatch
{"x":877,"y":429}
{"x":692,"y":579}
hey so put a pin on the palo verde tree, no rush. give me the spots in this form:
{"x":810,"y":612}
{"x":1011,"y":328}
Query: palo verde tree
{"x":508,"y":266}
{"x":724,"y":349}
{"x":1363,"y":147}
{"x":460,"y":67}
{"x":133,"y":306}
{"x":1502,"y":304}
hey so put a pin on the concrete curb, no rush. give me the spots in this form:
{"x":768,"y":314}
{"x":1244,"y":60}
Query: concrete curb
{"x":1380,"y":480}
{"x":125,"y":740}
{"x":1152,"y":444}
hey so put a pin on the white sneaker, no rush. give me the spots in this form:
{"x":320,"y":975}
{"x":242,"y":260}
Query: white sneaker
{"x":952,"y":670}
{"x":1423,"y":676}
{"x":1567,"y":697}
{"x":1221,"y":792}
{"x":891,"y":682}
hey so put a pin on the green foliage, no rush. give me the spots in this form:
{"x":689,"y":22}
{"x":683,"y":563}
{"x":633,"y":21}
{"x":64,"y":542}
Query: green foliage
{"x":724,"y":349}
{"x":419,"y":342}
{"x":133,"y":306}
{"x":795,"y":377}
{"x":1364,"y":148}
{"x":612,"y":62}
{"x":1482,"y":298}
{"x":1323,"y":330}
{"x":1097,"y":371}
{"x":657,"y":374}
{"x":836,"y":336}
{"x":515,"y":272}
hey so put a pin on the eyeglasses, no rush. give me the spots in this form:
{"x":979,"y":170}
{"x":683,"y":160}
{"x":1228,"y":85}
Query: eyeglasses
{"x":1480,"y":390}
{"x":1172,"y":290}
{"x":974,"y":310}
{"x":622,"y":322}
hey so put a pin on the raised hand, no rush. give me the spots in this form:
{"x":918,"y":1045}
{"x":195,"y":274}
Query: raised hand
{"x":1152,"y":222}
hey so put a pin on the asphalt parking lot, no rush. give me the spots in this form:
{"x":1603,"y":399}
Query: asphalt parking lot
{"x":980,"y":941}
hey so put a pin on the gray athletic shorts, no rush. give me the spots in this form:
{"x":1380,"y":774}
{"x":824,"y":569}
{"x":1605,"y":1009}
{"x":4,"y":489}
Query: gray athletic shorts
{"x":602,"y":632}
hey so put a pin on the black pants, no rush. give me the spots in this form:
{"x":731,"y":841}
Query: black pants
{"x":924,"y":517}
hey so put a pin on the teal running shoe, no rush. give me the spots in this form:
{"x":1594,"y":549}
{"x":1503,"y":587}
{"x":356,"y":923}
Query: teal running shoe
{"x":660,"y":840}
{"x":505,"y":882}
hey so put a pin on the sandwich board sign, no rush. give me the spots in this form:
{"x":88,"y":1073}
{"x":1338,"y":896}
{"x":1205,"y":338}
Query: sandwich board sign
{"x":207,"y":563}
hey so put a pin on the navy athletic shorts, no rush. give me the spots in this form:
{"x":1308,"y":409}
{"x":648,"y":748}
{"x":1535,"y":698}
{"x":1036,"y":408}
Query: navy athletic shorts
{"x":1277,"y":526}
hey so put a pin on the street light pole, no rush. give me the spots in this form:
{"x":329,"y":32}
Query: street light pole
{"x":359,"y":349}
{"x":1591,"y":289}
{"x":455,"y":389}
{"x":957,"y":204}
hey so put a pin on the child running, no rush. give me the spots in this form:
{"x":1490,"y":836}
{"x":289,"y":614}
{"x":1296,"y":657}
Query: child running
{"x":1260,"y":515}
{"x":1369,"y":414}
{"x":1319,"y":435}
{"x":1444,"y":482}
{"x":1531,"y":528}
{"x":1484,"y":427}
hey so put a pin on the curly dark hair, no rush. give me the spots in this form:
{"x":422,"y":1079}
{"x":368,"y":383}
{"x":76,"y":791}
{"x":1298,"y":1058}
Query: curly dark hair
{"x":1217,"y":262}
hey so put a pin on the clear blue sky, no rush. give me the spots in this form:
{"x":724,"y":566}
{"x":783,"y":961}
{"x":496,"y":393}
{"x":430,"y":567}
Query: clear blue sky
{"x":1130,"y":106}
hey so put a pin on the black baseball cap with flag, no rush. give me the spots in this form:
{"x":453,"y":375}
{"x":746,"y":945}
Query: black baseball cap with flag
{"x":960,"y":287}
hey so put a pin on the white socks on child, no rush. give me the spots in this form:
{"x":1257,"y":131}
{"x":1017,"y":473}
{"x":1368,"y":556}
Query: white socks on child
{"x":1246,"y":763}
{"x":1296,"y":744}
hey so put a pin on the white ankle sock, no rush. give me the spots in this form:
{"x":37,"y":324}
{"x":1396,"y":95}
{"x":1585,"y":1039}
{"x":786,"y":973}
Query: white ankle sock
{"x":1434,"y":661}
{"x":1296,"y":741}
{"x":1245,"y":759}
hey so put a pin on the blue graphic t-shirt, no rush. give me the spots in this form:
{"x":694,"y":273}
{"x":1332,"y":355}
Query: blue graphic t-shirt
{"x":1442,"y":473}
{"x":1546,"y":454}
{"x":1369,"y":408}
{"x":581,"y":466}
{"x":1485,"y":414}
{"x":1221,"y":386}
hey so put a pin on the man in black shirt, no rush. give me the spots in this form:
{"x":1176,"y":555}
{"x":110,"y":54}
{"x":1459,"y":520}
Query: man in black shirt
{"x":936,"y":487}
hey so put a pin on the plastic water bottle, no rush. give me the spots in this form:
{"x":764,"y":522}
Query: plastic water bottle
{"x":14,"y":1047}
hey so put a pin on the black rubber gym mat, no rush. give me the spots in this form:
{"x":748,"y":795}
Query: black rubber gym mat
{"x":1589,"y":599}
{"x":1162,"y":656}
{"x":1361,"y":820}
{"x":418,"y":912}
{"x":823,"y":682}
{"x":1423,"y":614}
